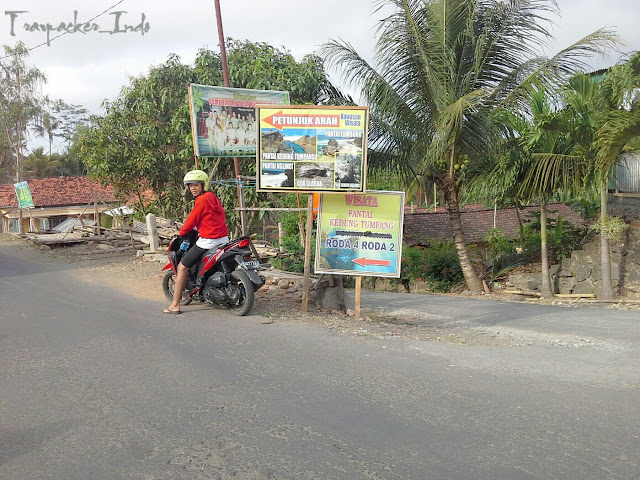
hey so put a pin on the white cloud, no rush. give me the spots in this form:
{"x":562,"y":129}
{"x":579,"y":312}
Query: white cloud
{"x":580,"y":18}
{"x":87,"y":68}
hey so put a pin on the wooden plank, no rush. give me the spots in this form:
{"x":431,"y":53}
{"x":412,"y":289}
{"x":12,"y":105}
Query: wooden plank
{"x":58,"y":241}
{"x":628,"y":195}
{"x":307,"y":256}
{"x":558,"y":295}
{"x":575,"y":295}
{"x":620,"y":301}
{"x":358,"y":296}
{"x":520,"y":292}
{"x":108,"y":250}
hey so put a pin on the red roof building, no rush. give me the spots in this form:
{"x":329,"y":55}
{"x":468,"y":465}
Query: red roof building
{"x":55,"y":199}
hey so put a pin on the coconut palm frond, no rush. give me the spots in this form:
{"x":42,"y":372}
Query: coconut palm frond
{"x":620,"y":128}
{"x":550,"y":172}
{"x":553,"y":72}
{"x":443,"y":73}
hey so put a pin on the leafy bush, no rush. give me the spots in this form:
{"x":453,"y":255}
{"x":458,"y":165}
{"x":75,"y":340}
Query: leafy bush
{"x":294,"y":262}
{"x":498,"y":243}
{"x":562,"y":238}
{"x":588,"y":209}
{"x":106,"y":221}
{"x":507,"y":262}
{"x":505,"y":255}
{"x":612,"y":227}
{"x":437,"y":264}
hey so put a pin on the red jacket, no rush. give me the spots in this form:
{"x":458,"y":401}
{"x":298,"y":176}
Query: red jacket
{"x":208,"y":215}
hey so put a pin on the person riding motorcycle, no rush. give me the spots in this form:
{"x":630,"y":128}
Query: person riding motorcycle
{"x":209,"y":218}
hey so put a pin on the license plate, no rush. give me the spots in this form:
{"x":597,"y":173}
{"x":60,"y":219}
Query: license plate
{"x":251,"y":264}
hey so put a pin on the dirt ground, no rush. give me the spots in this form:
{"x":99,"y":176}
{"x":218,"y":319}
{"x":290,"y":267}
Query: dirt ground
{"x":140,"y":277}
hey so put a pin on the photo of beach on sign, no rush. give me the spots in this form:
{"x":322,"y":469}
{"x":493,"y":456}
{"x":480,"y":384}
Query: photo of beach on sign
{"x":299,"y":144}
{"x":332,"y":142}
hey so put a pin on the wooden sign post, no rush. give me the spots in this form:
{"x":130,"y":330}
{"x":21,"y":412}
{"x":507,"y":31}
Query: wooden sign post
{"x":358,"y":295}
{"x":307,"y":256}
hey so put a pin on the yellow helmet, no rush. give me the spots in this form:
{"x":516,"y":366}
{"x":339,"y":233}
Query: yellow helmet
{"x":197,"y":176}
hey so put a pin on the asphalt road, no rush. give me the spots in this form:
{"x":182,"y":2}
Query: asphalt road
{"x":97,"y":385}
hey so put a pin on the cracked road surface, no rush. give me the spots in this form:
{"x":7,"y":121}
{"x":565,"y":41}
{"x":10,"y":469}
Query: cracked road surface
{"x":96,"y":384}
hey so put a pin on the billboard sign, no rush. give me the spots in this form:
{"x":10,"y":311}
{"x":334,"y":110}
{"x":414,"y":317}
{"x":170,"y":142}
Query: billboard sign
{"x":223,"y":119}
{"x":312,"y":148}
{"x":360,"y":234}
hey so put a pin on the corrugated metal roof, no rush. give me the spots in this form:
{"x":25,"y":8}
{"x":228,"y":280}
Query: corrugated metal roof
{"x":628,"y":173}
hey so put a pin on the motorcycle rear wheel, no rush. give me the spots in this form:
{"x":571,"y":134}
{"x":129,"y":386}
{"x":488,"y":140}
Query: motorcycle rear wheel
{"x":168,"y":287}
{"x":244,"y":306}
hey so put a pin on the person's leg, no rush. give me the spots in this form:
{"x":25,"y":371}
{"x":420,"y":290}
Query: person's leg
{"x":193,"y":256}
{"x":181,"y":282}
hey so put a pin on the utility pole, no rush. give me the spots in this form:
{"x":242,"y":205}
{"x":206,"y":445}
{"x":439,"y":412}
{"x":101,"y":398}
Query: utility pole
{"x":227,"y":83}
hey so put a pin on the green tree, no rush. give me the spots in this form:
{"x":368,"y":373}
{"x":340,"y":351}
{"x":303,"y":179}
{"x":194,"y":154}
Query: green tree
{"x":261,"y":66}
{"x":70,"y":162}
{"x":20,"y":100}
{"x":144,"y":140}
{"x":580,"y":119}
{"x":6,"y":160}
{"x":71,"y":118}
{"x":63,"y":121}
{"x":140,"y":144}
{"x":444,"y":68}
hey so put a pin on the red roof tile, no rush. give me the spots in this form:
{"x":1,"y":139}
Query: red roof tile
{"x":6,"y":193}
{"x":59,"y":191}
{"x":430,"y":227}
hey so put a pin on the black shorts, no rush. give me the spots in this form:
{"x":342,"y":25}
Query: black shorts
{"x":193,"y":256}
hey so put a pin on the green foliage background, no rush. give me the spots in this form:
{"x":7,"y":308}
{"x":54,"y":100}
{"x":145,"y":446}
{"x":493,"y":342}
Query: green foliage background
{"x":143,"y":144}
{"x":436,"y":264}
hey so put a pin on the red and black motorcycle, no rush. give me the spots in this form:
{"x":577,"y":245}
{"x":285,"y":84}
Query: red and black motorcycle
{"x":226,"y":275}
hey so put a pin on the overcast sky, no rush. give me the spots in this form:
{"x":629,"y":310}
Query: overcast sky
{"x":85,"y":68}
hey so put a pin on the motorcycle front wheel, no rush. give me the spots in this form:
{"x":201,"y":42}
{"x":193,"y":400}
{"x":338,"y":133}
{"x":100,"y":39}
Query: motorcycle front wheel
{"x":168,"y":287}
{"x":245,"y":303}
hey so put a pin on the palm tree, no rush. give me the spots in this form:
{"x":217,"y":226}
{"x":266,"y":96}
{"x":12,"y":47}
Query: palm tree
{"x":586,"y":106}
{"x":620,"y":124}
{"x":39,"y":165}
{"x":47,"y":127}
{"x":535,"y":149}
{"x":443,"y":69}
{"x":601,"y":116}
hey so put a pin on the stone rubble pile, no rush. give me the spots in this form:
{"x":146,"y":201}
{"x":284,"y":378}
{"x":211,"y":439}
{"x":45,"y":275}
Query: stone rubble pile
{"x":279,"y":287}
